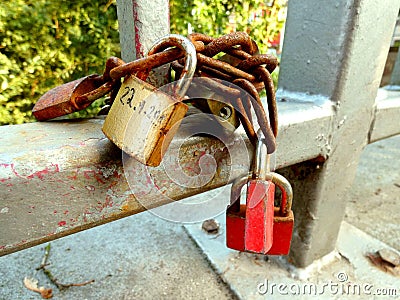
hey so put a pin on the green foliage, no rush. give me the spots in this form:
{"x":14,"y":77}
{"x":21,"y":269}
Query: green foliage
{"x":45,"y":43}
{"x":263,"y":22}
{"x":216,"y":17}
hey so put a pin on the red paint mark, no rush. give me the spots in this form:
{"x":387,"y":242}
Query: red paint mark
{"x":66,"y":212}
{"x":156,"y":186}
{"x":9,"y":184}
{"x":94,"y":174}
{"x":2,"y":247}
{"x":40,"y":174}
{"x":12,"y":167}
{"x":138,"y":44}
{"x":73,"y":177}
{"x":72,"y":187}
{"x":62,"y":223}
{"x":66,"y":194}
{"x":107,"y":203}
{"x":148,"y":180}
{"x":54,"y":212}
{"x":21,"y":243}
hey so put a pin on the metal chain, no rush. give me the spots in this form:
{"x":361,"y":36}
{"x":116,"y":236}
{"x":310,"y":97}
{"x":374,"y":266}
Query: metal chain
{"x":254,"y":71}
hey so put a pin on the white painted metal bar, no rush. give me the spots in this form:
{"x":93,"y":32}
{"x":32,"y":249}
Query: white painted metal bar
{"x":386,"y":122}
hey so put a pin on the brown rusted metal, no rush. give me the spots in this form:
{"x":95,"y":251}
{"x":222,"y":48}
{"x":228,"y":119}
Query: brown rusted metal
{"x":211,"y":72}
{"x":260,"y":113}
{"x":60,"y":100}
{"x":76,"y":95}
{"x":218,"y":86}
{"x":223,"y":43}
{"x":241,"y":66}
{"x":223,"y":67}
{"x":271,"y":98}
{"x":147,"y":63}
{"x":200,"y":37}
{"x":246,"y":120}
{"x":251,"y":62}
{"x":270,"y":61}
{"x":83,"y":101}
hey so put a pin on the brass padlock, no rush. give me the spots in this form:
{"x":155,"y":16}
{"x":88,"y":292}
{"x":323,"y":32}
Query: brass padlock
{"x":142,"y":115}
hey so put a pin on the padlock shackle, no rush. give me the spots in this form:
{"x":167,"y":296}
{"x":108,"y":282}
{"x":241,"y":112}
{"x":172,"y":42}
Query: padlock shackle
{"x":261,"y":163}
{"x":287,"y":192}
{"x":183,"y":83}
{"x":280,"y":181}
{"x":237,"y":186}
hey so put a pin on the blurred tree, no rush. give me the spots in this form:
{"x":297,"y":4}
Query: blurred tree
{"x":45,"y":43}
{"x":262,"y":20}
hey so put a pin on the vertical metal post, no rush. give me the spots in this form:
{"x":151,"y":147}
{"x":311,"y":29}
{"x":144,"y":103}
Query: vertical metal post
{"x":395,"y":78}
{"x":336,"y":51}
{"x":140,"y":24}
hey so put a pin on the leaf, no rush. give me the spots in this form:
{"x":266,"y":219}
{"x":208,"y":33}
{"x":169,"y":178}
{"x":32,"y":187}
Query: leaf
{"x":32,"y":285}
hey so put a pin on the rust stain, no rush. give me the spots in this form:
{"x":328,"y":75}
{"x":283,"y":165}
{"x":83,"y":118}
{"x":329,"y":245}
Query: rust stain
{"x":130,"y":204}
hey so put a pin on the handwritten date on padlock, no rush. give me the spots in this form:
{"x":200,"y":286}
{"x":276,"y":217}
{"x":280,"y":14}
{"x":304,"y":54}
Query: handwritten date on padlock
{"x":130,"y":93}
{"x":127,"y":98}
{"x":140,"y":118}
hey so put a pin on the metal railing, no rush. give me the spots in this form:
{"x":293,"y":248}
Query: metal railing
{"x":58,"y":178}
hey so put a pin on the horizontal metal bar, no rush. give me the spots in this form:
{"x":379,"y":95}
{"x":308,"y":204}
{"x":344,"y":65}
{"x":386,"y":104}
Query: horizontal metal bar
{"x":61,"y":177}
{"x":387,"y":115}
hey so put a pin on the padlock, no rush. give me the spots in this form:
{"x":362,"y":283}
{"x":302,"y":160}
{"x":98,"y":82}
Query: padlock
{"x":283,"y":217}
{"x":254,"y":220}
{"x":76,"y":95}
{"x":142,"y":115}
{"x":237,"y":216}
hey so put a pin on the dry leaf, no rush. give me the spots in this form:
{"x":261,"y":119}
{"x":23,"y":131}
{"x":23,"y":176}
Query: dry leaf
{"x":32,"y":284}
{"x":390,"y":256}
{"x":382,"y":264}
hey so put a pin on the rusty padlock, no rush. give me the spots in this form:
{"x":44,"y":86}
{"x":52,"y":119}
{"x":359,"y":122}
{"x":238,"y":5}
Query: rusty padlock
{"x":142,"y":115}
{"x":250,"y":226}
{"x":76,"y":95}
{"x":283,"y":218}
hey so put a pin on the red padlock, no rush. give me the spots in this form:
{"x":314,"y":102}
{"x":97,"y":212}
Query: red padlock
{"x":283,"y":219}
{"x":249,"y":227}
{"x":255,"y":219}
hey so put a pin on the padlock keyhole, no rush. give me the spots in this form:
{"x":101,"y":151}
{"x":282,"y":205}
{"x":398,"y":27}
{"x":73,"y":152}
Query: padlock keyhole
{"x":225,"y":112}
